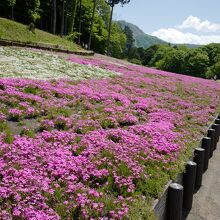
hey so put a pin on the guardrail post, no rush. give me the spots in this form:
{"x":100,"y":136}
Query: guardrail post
{"x":211,"y":134}
{"x":216,"y":128}
{"x":199,"y":160}
{"x":217,"y":121}
{"x":175,"y":202}
{"x":189,"y":178}
{"x":206,"y":143}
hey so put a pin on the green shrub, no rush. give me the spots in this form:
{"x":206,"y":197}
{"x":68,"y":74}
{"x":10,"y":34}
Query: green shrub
{"x":136,"y":61}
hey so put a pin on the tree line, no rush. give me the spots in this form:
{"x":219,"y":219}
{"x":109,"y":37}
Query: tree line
{"x":203,"y":61}
{"x":86,"y":22}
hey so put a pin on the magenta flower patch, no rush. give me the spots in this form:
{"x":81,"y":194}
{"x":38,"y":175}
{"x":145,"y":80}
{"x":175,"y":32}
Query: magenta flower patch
{"x":89,"y":149}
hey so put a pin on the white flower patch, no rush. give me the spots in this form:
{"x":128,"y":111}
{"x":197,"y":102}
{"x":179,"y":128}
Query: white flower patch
{"x":33,"y":64}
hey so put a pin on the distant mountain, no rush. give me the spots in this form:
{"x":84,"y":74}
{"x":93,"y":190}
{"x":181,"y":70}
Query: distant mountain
{"x":141,"y":39}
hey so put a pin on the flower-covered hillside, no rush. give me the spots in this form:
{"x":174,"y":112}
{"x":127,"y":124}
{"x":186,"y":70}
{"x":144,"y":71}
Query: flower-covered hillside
{"x":93,"y":149}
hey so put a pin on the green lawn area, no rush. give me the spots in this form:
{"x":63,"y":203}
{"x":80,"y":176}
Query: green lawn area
{"x":14,"y":31}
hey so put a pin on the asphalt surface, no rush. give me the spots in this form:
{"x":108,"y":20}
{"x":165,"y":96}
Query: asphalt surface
{"x":206,"y":202}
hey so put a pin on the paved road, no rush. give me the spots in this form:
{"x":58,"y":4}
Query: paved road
{"x":206,"y":202}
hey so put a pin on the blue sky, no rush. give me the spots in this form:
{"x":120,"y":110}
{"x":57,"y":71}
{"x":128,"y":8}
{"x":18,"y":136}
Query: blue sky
{"x":176,"y":21}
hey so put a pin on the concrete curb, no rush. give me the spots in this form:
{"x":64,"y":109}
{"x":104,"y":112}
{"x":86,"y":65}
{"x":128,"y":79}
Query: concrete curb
{"x":42,"y":46}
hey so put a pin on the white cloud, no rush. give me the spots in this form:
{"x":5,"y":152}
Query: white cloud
{"x":196,"y":23}
{"x":173,"y":35}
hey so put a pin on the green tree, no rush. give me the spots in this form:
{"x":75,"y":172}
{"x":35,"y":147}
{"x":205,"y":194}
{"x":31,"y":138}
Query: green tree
{"x":213,"y":71}
{"x":118,"y":41}
{"x":62,"y":18}
{"x":11,"y":3}
{"x":103,"y":11}
{"x":197,"y":62}
{"x":99,"y":29}
{"x":129,"y":41}
{"x":27,"y":11}
{"x":160,"y":54}
{"x":213,"y":51}
{"x":173,"y":61}
{"x":100,"y":33}
{"x":92,"y":22}
{"x":80,"y":21}
{"x":44,"y":22}
{"x":112,"y":4}
{"x":149,"y":53}
{"x":72,"y":6}
{"x":54,"y":5}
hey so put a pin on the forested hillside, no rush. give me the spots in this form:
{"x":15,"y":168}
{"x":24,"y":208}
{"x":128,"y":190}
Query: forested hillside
{"x":77,"y":20}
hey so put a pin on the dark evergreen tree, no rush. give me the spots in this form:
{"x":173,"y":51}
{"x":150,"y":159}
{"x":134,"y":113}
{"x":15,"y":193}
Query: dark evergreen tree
{"x":129,"y":41}
{"x":54,"y":16}
{"x":80,"y":21}
{"x":92,"y":22}
{"x":62,"y":18}
{"x":11,"y":4}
